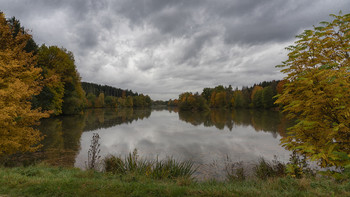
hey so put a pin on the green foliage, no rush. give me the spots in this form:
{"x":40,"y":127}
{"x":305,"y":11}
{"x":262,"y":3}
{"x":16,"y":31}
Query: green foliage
{"x":96,"y":89}
{"x":63,"y":92}
{"x":297,"y":167}
{"x":257,"y":99}
{"x":268,"y":97}
{"x":188,"y":101}
{"x":246,"y":97}
{"x":129,"y":102}
{"x":114,"y":165}
{"x":91,"y":99}
{"x":238,"y":100}
{"x":206,"y":93}
{"x":110,"y":101}
{"x":141,"y":101}
{"x":171,"y":169}
{"x":317,"y":93}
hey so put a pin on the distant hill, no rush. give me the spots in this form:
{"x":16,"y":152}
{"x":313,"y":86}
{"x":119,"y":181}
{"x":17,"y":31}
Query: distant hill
{"x":96,"y":89}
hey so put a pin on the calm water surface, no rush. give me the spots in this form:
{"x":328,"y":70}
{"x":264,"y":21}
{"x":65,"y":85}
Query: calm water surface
{"x":208,"y":138}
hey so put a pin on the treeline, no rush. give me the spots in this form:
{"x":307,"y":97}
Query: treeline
{"x":99,"y":96}
{"x":101,"y":101}
{"x":260,"y":95}
{"x":96,"y":89}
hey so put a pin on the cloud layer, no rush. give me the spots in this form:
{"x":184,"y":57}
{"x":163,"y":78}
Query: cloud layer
{"x":165,"y":47}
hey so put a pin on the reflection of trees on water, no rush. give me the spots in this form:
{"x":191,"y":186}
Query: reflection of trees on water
{"x":62,"y":133}
{"x":261,"y":120}
{"x":105,"y":118}
{"x":62,"y":139}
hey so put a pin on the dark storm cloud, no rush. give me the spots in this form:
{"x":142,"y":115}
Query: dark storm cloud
{"x":194,"y":47}
{"x":170,"y":46}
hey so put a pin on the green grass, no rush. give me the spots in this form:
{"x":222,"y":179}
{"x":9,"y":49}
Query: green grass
{"x":43,"y":180}
{"x":157,"y":169}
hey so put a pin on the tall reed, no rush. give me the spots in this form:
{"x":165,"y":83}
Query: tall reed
{"x":157,"y":169}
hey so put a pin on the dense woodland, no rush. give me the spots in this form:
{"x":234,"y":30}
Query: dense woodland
{"x":101,"y":101}
{"x":98,"y":96}
{"x":262,"y":96}
{"x":96,"y":89}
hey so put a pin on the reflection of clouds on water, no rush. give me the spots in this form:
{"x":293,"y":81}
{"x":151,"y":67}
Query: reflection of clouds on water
{"x":163,"y":134}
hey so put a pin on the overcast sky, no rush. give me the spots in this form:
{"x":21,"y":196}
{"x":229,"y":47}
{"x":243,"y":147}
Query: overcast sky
{"x":165,"y":47}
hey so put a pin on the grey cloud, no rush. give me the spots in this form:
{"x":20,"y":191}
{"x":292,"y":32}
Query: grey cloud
{"x":194,"y":47}
{"x":170,"y":46}
{"x":87,"y":37}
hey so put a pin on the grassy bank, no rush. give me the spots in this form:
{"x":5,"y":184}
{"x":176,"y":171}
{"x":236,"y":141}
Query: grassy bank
{"x":43,"y":180}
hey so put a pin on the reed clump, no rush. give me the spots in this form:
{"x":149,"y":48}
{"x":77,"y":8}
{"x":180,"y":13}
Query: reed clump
{"x":157,"y":169}
{"x":265,"y":169}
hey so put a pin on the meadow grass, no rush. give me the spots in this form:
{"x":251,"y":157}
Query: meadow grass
{"x":44,"y":180}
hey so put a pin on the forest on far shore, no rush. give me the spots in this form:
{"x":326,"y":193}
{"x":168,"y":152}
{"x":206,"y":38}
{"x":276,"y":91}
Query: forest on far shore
{"x":259,"y":96}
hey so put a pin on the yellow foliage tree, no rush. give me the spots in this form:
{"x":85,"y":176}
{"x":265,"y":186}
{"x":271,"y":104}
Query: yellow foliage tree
{"x":317,"y":93}
{"x":255,"y":89}
{"x":19,"y":81}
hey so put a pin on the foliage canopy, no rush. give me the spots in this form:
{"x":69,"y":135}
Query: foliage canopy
{"x":317,"y":93}
{"x":19,"y":81}
{"x":62,"y":92}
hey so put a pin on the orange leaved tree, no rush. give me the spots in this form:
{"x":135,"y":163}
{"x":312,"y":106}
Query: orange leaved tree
{"x":19,"y":81}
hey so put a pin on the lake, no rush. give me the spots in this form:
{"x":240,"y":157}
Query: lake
{"x":209,"y":139}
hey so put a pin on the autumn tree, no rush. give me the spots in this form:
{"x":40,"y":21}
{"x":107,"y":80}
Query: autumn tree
{"x":317,"y":93}
{"x":100,"y":100}
{"x":279,"y":87}
{"x":16,"y":28}
{"x":19,"y":81}
{"x":62,"y":81}
{"x":194,"y":102}
{"x":255,"y":89}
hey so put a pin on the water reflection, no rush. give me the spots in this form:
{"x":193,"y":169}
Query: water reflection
{"x":63,"y":133}
{"x":62,"y":139}
{"x":201,"y":137}
{"x":210,"y":136}
{"x":261,"y":120}
{"x":105,"y":118}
